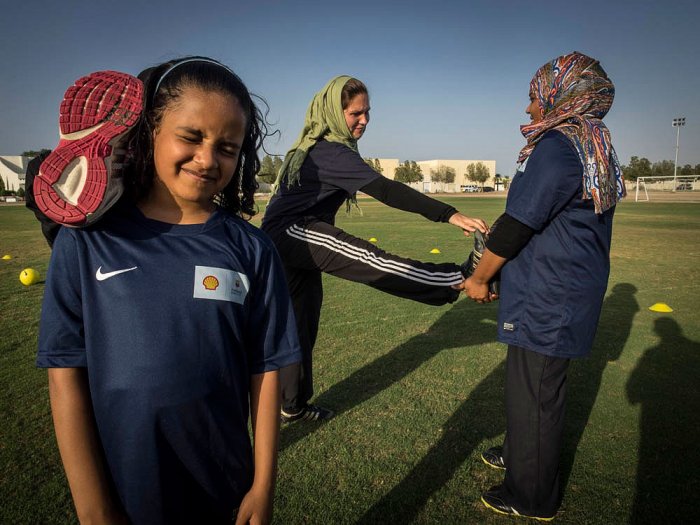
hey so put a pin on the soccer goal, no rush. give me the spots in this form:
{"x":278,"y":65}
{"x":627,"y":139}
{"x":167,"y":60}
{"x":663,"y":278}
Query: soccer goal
{"x":665,"y":187}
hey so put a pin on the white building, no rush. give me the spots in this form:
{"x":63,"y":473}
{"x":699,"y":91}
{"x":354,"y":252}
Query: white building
{"x":13,"y":170}
{"x":427,"y":166}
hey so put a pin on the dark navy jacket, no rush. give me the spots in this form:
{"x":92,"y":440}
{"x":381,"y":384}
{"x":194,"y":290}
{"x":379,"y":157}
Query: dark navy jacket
{"x":553,"y":290}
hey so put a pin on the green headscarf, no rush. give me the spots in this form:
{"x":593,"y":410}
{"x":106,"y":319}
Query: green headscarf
{"x":324,"y":120}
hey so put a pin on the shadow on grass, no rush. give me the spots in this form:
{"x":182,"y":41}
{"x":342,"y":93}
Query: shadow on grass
{"x":665,"y":385}
{"x":480,"y":417}
{"x":585,"y":375}
{"x":459,"y":327}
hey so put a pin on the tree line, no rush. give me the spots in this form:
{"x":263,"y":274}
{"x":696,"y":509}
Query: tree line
{"x":407,"y":171}
{"x":410,"y":172}
{"x":644,"y":168}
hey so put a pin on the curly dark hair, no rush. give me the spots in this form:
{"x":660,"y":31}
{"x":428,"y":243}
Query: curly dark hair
{"x":159,"y":92}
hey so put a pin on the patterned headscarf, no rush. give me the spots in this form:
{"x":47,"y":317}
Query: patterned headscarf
{"x":324,"y":120}
{"x":574,"y":94}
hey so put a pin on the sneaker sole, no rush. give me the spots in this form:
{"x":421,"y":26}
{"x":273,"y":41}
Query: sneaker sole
{"x":94,"y":115}
{"x":514,"y":513}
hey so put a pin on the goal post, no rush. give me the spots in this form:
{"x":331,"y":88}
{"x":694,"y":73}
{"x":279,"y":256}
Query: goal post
{"x":647,"y":187}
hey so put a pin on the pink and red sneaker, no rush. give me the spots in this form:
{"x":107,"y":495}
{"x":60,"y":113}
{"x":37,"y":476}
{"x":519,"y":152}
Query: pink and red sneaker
{"x":78,"y":181}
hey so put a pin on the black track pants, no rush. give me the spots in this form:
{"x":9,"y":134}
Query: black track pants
{"x":310,"y":248}
{"x":535,"y":400}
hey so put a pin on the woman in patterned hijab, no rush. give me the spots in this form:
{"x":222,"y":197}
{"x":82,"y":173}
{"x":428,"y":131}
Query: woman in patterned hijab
{"x":574,"y":93}
{"x":552,"y":248}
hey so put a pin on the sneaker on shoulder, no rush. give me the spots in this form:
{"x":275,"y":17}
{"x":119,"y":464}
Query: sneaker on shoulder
{"x":81,"y":178}
{"x":307,"y":413}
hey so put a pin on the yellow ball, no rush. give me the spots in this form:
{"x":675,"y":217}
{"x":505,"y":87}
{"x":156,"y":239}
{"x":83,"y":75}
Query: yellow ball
{"x":6,"y":257}
{"x":29,"y":276}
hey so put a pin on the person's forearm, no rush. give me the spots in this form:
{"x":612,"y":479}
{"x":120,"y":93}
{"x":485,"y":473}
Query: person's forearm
{"x":404,"y":198}
{"x":265,"y":414}
{"x":256,"y":506}
{"x":476,"y":286}
{"x":508,"y":236}
{"x":79,"y":446}
{"x":489,"y":265}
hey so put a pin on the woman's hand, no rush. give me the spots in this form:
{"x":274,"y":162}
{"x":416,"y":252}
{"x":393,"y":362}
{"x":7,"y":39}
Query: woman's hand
{"x":468,"y":224}
{"x":478,"y":291}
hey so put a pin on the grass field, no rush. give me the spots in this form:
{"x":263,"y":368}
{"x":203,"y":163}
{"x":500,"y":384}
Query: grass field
{"x":419,"y":390}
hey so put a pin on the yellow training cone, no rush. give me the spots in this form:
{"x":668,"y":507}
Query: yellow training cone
{"x":373,"y":239}
{"x":434,"y":250}
{"x":6,"y":257}
{"x":660,"y":307}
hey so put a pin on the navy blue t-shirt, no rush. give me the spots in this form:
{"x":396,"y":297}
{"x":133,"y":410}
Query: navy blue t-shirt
{"x":171,"y":321}
{"x":553,"y":290}
{"x":330,"y":174}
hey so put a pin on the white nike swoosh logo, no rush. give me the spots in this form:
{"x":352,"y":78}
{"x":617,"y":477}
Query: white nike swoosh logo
{"x":102,"y":276}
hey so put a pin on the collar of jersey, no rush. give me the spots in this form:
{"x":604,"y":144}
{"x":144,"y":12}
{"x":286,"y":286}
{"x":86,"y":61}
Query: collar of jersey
{"x":216,"y":218}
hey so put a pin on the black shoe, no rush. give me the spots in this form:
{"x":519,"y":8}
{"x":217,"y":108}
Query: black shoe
{"x":468,"y":266}
{"x":493,"y":500}
{"x":493,"y":457}
{"x":308,"y":413}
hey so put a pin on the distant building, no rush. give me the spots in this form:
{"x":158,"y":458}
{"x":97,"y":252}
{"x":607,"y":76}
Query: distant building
{"x":13,"y":170}
{"x":428,"y":186}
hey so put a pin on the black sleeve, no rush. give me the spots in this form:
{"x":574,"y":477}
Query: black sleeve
{"x":508,"y":236}
{"x":402,"y":197}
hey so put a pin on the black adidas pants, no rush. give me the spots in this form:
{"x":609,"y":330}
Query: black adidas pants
{"x":535,"y":400}
{"x":309,"y":248}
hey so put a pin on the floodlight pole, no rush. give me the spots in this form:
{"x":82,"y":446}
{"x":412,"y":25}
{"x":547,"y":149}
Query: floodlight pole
{"x":677,"y":123}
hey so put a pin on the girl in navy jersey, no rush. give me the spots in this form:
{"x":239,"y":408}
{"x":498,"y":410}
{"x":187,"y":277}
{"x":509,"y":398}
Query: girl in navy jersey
{"x":321,"y":171}
{"x":164,"y":324}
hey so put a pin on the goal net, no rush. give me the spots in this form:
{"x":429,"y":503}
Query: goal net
{"x":665,"y":188}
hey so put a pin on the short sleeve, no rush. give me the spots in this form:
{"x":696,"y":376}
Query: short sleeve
{"x":272,"y":335}
{"x":61,"y":331}
{"x":346,"y":170}
{"x":552,"y":177}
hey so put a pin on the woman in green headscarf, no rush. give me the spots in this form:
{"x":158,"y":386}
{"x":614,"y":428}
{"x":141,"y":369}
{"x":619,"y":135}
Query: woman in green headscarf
{"x":321,"y":171}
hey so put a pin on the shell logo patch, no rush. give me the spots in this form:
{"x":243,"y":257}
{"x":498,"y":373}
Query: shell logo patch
{"x":220,"y":284}
{"x":212,"y":283}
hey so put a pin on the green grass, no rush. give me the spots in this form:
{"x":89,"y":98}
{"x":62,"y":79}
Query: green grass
{"x":419,"y":390}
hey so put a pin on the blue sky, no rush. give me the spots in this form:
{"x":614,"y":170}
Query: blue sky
{"x":447,"y":79}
